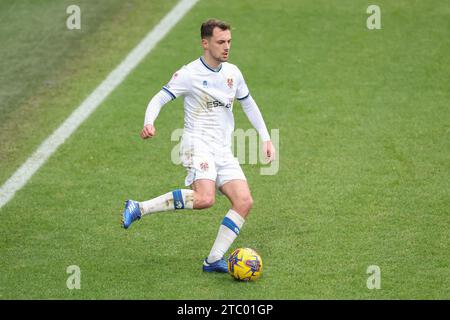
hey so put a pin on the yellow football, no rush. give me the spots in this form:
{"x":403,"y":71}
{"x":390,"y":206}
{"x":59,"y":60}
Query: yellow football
{"x":245,"y":264}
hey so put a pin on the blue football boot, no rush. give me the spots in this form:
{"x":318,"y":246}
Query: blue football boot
{"x":131,"y":213}
{"x":218,"y":266}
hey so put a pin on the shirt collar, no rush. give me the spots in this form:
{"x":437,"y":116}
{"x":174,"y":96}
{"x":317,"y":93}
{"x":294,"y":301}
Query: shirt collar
{"x":208,"y":67}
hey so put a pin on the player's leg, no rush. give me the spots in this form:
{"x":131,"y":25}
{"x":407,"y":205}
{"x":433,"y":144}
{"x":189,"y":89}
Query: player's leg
{"x":201,"y":176}
{"x":173,"y":200}
{"x":238,"y":192}
{"x":201,"y":196}
{"x":204,"y":193}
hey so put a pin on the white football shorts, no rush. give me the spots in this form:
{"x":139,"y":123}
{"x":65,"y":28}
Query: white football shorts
{"x":203,"y":161}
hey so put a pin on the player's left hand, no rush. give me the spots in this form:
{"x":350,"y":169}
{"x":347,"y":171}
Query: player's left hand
{"x":269,"y":151}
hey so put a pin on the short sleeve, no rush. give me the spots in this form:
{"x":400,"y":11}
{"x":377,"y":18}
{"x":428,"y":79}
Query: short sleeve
{"x":179,"y":84}
{"x":242,"y":91}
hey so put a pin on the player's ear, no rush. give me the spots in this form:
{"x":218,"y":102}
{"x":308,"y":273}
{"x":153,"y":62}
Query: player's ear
{"x":205,"y":43}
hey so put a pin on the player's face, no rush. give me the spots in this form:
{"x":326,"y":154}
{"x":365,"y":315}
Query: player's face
{"x":218,"y":46}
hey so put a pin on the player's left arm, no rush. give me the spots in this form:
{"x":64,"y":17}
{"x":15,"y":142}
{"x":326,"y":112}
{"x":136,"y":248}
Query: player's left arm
{"x":256,"y":119}
{"x":254,"y":115}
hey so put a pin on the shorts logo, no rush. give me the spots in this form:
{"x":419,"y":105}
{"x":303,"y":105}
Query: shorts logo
{"x":230,"y":82}
{"x":175,"y":75}
{"x":204,"y":166}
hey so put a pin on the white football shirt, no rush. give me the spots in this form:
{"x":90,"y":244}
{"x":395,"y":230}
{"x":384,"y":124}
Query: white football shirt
{"x":208,"y":99}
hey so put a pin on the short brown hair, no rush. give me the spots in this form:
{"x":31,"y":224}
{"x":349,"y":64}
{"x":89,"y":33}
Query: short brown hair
{"x":206,"y":30}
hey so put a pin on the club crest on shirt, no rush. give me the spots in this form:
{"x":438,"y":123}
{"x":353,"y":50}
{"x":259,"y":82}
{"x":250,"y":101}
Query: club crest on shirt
{"x":230,"y":82}
{"x":204,"y":166}
{"x":205,"y":84}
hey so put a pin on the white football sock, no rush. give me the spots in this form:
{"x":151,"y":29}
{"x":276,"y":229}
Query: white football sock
{"x":228,"y":231}
{"x":177,"y":199}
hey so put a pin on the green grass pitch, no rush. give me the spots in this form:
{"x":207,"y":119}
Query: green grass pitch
{"x":364,"y":178}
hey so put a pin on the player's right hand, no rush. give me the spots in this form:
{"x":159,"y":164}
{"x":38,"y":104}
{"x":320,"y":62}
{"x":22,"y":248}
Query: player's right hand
{"x":148,"y":131}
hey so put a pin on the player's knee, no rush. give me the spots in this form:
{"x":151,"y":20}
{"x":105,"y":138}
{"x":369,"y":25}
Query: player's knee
{"x":249,"y":202}
{"x":209,"y":201}
{"x":204,"y":201}
{"x":245,"y":203}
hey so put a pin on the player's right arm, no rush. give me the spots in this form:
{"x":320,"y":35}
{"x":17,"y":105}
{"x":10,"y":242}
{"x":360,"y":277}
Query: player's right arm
{"x":153,"y":109}
{"x":178,"y":85}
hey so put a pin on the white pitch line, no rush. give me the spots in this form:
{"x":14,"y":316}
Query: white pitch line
{"x":85,"y":109}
